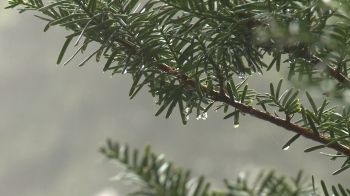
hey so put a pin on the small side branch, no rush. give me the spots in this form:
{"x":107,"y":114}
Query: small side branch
{"x":333,"y":72}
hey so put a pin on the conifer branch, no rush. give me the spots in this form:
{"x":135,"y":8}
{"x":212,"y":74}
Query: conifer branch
{"x":153,"y":174}
{"x":284,"y":123}
{"x":213,"y":38}
{"x":336,"y":74}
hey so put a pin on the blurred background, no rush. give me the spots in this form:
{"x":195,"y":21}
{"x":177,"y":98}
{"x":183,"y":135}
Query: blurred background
{"x":54,"y":118}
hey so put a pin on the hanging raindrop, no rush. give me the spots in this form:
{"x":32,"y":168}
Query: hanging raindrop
{"x":204,"y":115}
{"x":241,"y":76}
{"x":186,"y":110}
{"x":235,"y":125}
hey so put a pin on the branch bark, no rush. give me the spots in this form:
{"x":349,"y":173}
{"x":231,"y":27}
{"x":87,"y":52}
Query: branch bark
{"x":284,"y":123}
{"x":220,"y":96}
{"x":333,"y":72}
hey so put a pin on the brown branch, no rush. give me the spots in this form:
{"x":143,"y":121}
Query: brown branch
{"x":216,"y":96}
{"x":285,"y":123}
{"x":317,"y":63}
{"x":332,"y":72}
{"x":305,"y":53}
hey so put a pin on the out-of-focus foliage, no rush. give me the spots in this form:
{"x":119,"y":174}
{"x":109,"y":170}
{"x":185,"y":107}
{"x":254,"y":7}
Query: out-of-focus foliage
{"x":197,"y":54}
{"x":156,"y":176}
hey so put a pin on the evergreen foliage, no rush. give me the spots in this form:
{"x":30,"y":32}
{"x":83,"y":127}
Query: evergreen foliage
{"x":156,"y":176}
{"x":199,"y":53}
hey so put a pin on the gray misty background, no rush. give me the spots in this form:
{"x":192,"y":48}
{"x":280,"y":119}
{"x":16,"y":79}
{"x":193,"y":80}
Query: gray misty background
{"x":54,"y":118}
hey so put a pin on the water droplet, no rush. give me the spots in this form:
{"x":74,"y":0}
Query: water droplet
{"x":235,"y":125}
{"x":241,"y":76}
{"x":204,"y":115}
{"x":198,"y":117}
{"x":286,"y":148}
{"x":125,"y":71}
{"x":186,"y":110}
{"x":187,"y":117}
